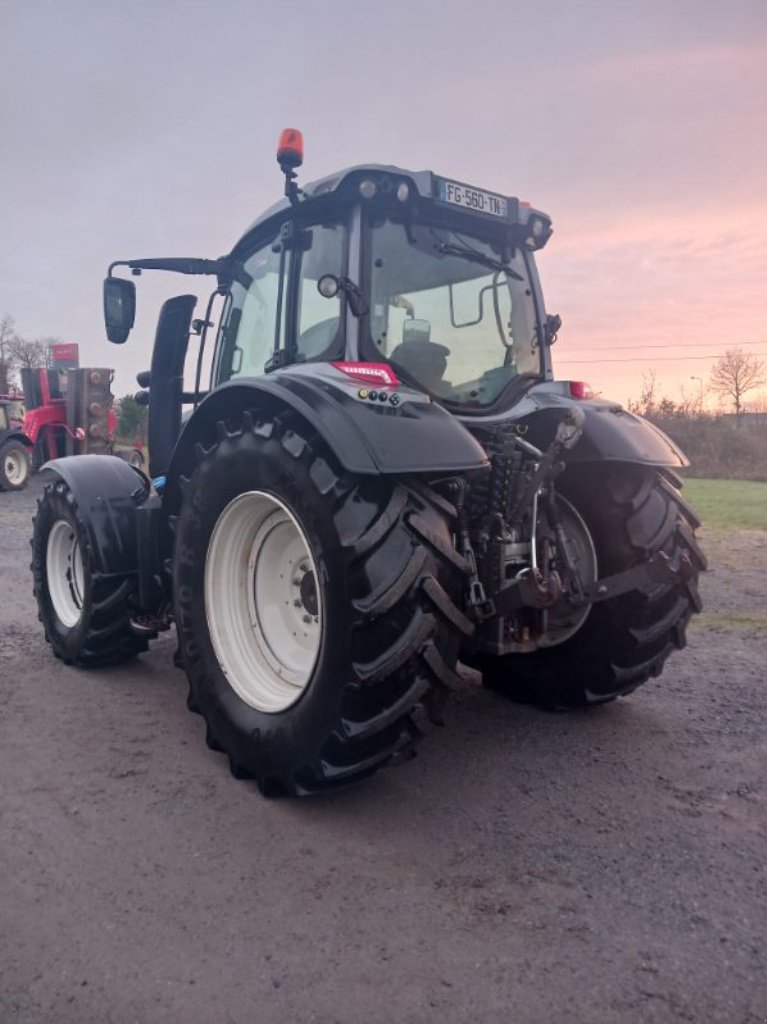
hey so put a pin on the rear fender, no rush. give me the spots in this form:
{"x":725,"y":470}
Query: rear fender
{"x":610,"y":433}
{"x":108,"y":493}
{"x":371,"y":437}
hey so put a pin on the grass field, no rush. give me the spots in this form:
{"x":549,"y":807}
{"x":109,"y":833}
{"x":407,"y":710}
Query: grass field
{"x":734,"y":504}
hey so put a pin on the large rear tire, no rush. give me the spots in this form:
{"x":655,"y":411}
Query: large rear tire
{"x":86,"y":617}
{"x":315,"y":610}
{"x":632,"y":512}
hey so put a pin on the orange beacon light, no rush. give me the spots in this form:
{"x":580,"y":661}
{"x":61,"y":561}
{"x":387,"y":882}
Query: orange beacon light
{"x":290,"y":149}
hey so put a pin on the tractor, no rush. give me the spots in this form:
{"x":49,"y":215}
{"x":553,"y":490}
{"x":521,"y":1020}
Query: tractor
{"x":66,"y":413}
{"x":382,"y":482}
{"x":14,"y":446}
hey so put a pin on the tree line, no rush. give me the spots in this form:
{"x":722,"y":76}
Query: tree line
{"x":733,"y":376}
{"x":716,"y":445}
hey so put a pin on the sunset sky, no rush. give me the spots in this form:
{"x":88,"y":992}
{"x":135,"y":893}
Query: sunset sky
{"x":149,"y":129}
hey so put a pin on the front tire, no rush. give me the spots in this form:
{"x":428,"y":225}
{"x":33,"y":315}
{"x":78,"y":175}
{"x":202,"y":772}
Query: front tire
{"x":86,"y":618}
{"x":14,"y":466}
{"x":632,"y":513}
{"x":315,"y":610}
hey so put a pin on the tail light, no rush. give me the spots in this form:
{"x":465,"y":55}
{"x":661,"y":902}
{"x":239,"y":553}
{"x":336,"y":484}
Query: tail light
{"x":580,"y":389}
{"x":369,"y":373}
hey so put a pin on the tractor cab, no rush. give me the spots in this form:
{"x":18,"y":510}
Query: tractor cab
{"x":11,"y":412}
{"x":374,"y":265}
{"x":381,"y":265}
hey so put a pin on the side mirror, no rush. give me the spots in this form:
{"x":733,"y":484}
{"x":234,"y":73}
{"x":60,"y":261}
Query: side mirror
{"x":119,"y":308}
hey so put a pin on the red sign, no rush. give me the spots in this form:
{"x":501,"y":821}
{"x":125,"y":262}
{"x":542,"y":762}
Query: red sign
{"x":66,"y":354}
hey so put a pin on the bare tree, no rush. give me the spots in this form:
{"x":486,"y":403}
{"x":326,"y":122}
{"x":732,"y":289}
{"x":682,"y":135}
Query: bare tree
{"x":7,"y":335}
{"x":48,"y":342}
{"x":646,"y":404}
{"x":734,"y":374}
{"x":28,"y":354}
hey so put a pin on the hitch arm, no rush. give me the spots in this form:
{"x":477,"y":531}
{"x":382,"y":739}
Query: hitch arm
{"x":643,"y":578}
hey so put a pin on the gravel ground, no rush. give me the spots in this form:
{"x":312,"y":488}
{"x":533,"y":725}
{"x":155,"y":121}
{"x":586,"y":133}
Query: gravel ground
{"x":599,"y":867}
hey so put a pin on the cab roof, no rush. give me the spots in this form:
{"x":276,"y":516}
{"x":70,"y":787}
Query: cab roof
{"x":423,"y":182}
{"x":322,"y":186}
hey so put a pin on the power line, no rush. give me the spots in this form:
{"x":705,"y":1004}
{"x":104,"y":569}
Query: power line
{"x":645,"y":359}
{"x":684,"y":344}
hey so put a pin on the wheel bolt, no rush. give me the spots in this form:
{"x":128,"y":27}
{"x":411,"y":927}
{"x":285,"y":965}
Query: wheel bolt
{"x":307,"y":618}
{"x":297,"y":602}
{"x":303,"y":567}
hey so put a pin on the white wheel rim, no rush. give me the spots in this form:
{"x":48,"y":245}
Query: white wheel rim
{"x":16,"y":467}
{"x":64,"y":572}
{"x":262,"y":601}
{"x":564,"y":620}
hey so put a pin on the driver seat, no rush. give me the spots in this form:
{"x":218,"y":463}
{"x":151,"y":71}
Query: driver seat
{"x":425,"y":362}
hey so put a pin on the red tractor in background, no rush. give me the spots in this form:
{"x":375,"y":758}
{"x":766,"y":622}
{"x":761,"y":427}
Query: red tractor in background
{"x":66,"y":413}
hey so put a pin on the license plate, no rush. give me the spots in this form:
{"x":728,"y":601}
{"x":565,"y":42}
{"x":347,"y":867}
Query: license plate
{"x":471,"y":198}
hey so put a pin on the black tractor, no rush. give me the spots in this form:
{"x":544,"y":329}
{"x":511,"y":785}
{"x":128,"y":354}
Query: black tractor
{"x":382,"y":478}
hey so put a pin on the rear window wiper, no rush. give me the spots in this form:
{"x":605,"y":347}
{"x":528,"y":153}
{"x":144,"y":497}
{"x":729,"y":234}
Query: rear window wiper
{"x":466,"y":253}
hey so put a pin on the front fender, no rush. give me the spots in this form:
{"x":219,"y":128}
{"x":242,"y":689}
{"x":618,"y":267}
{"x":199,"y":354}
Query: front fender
{"x":107,"y":491}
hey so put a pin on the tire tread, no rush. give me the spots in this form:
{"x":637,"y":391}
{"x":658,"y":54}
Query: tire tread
{"x":404,"y":579}
{"x":108,"y":638}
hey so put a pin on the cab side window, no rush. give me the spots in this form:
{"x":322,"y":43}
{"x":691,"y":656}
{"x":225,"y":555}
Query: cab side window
{"x":248,"y":336}
{"x":320,"y":320}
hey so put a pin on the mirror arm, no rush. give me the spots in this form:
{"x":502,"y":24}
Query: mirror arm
{"x":221,"y":268}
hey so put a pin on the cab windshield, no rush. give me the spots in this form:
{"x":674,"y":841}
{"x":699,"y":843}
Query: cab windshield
{"x":453,"y":311}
